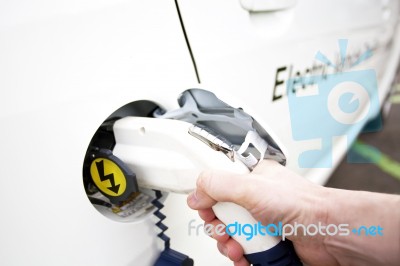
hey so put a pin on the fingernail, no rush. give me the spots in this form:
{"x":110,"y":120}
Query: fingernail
{"x":193,"y":197}
{"x":225,"y":251}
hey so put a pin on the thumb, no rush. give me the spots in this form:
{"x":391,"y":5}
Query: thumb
{"x":214,"y":186}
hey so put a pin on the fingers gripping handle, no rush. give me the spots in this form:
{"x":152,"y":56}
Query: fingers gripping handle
{"x":233,"y":214}
{"x":259,"y":248}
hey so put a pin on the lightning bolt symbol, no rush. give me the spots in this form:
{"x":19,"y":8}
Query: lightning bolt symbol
{"x":100,"y":168}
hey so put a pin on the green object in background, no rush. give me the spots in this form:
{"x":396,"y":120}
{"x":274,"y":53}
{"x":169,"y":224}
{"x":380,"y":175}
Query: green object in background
{"x":395,"y":98}
{"x":372,"y":154}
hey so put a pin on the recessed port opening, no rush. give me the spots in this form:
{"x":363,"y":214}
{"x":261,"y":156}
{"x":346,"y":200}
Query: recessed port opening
{"x":137,"y":203}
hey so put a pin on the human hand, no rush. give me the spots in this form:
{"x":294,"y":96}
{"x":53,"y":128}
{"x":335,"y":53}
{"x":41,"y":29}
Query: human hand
{"x":272,"y":194}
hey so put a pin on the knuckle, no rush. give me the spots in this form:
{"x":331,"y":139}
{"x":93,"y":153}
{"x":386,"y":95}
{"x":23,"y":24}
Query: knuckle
{"x":204,"y":180}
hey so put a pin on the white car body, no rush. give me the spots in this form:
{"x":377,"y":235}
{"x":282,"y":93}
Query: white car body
{"x":65,"y":66}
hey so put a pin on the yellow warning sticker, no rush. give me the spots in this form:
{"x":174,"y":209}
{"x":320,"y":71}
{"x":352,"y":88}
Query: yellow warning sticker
{"x":108,"y":177}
